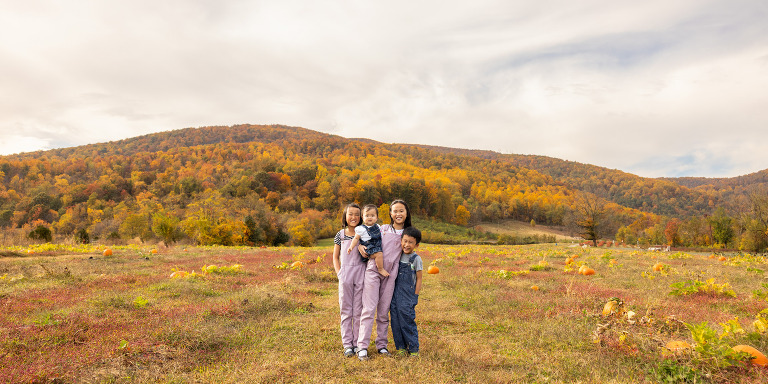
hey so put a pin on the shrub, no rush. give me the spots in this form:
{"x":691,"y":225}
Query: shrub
{"x":82,"y":237}
{"x":41,"y":232}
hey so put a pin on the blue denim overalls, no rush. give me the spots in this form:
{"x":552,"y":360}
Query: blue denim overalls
{"x":374,"y":244}
{"x":403,"y":308}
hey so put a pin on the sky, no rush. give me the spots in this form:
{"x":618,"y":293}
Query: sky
{"x":656,"y":88}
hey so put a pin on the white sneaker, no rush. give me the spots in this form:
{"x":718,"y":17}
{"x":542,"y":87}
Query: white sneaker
{"x":362,"y":354}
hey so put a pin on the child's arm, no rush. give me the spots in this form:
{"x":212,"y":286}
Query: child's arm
{"x":353,"y":243}
{"x":337,"y":258}
{"x":418,"y":282}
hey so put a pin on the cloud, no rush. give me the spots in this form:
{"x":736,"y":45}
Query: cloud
{"x":654,"y":88}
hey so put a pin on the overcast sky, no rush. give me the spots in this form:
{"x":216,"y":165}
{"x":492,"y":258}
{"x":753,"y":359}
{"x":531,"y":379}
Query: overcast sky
{"x":655,"y":88}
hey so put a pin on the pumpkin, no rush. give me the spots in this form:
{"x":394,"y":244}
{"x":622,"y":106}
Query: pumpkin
{"x":535,"y":287}
{"x":589,"y":271}
{"x":297,"y":265}
{"x":107,"y":252}
{"x":612,"y":306}
{"x":612,"y":261}
{"x":757,"y":357}
{"x":722,"y":258}
{"x":678,"y":345}
{"x":582,"y":269}
{"x":569,"y":260}
{"x":154,"y":250}
{"x":658,"y":267}
{"x":433,"y":269}
{"x":712,"y":256}
{"x":179,"y":274}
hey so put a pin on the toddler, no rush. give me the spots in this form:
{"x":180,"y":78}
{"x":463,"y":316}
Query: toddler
{"x":369,"y":235}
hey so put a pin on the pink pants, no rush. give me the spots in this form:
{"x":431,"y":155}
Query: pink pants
{"x":377,"y":292}
{"x":351,"y":276}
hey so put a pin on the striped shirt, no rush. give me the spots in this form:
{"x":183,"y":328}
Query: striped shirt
{"x":341,"y":236}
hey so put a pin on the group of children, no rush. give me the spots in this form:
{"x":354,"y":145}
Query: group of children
{"x":392,"y":286}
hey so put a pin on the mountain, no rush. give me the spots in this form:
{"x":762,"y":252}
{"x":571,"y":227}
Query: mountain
{"x":250,"y":184}
{"x":659,"y":196}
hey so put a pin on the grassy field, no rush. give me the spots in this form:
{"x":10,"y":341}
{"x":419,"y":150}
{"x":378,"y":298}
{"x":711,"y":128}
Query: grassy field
{"x":519,"y":228}
{"x":494,"y":314}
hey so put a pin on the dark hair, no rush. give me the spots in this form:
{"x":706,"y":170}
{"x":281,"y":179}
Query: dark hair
{"x":368,"y":207}
{"x":407,"y":222}
{"x":413,"y":232}
{"x":344,"y":215}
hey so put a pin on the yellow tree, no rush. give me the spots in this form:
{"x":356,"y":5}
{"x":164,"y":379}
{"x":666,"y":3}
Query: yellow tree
{"x":462,"y":215}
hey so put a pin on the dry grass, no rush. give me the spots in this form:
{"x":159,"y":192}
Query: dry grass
{"x":85,"y":318}
{"x":519,"y":228}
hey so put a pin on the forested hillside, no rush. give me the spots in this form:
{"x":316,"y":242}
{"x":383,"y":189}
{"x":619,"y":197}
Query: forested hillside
{"x":250,"y":184}
{"x":660,"y":196}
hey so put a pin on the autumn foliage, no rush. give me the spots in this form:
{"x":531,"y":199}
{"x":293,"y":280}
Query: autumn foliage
{"x":271,"y":185}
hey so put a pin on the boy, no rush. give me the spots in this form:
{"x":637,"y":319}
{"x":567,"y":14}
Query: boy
{"x":406,"y":295}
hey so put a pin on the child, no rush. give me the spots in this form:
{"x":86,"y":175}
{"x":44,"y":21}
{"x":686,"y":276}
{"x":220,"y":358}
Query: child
{"x":406,"y":296}
{"x":377,"y":292}
{"x":369,"y":234}
{"x":351,"y":273}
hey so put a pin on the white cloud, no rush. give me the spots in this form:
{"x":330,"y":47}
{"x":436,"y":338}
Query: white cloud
{"x":654,"y":88}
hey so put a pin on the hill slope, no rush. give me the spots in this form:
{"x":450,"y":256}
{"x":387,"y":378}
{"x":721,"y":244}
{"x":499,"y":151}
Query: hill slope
{"x":272,"y":184}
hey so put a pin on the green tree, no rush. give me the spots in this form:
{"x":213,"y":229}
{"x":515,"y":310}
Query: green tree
{"x":166,"y":227}
{"x":722,"y":227}
{"x":135,"y":225}
{"x":41,"y":232}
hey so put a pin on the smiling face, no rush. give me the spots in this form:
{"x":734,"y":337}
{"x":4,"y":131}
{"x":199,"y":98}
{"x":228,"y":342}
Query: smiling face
{"x":408,"y":243}
{"x":370,"y":217}
{"x":399,"y":213}
{"x":353,"y":216}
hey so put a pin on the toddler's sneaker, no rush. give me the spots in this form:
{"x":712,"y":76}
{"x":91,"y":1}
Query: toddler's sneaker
{"x":384,"y":352}
{"x":349,"y":351}
{"x":414,"y":354}
{"x":362,"y":354}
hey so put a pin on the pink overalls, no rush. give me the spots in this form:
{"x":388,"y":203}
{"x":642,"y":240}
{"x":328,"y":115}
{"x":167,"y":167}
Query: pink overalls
{"x":351,"y":276}
{"x":377,"y":291}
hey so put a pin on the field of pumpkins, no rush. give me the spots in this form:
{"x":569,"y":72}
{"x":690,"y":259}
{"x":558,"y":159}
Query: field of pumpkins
{"x":485,"y":314}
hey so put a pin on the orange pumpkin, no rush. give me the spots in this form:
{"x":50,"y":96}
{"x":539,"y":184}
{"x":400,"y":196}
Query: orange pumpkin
{"x":154,"y":250}
{"x":658,"y":267}
{"x":535,"y":287}
{"x":297,"y":265}
{"x":582,"y":269}
{"x":722,"y":258}
{"x":712,"y":256}
{"x":588,"y":271}
{"x":107,"y":252}
{"x":433,"y":269}
{"x":179,"y":274}
{"x":678,"y":345}
{"x":569,"y":260}
{"x":757,"y":357}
